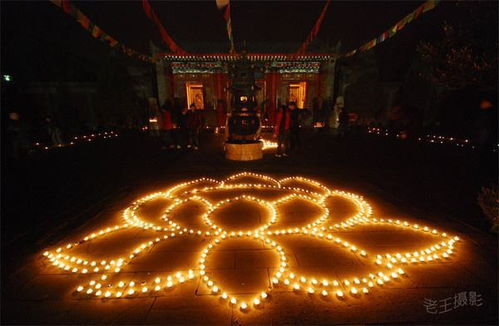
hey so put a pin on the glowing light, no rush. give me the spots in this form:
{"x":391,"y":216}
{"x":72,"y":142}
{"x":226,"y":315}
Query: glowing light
{"x":386,"y":265}
{"x":267,"y":144}
{"x":77,"y":140}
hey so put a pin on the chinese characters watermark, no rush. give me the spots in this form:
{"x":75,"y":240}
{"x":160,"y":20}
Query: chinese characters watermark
{"x":461,"y":299}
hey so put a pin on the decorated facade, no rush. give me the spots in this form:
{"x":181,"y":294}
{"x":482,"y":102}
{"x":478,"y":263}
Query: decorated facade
{"x":203,"y":80}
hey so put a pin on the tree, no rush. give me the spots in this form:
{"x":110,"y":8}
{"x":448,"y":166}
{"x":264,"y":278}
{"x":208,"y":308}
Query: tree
{"x":465,"y":54}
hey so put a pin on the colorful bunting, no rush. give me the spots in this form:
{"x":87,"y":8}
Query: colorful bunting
{"x":224,"y":5}
{"x":164,"y":34}
{"x":315,"y":30}
{"x":425,"y":7}
{"x":83,"y":20}
{"x":221,"y":4}
{"x":95,"y":30}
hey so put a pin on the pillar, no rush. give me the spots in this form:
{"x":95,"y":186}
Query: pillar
{"x":326,"y":92}
{"x":326,"y":81}
{"x":169,"y":82}
{"x":161,"y":80}
{"x":273,"y":82}
{"x":220,"y":81}
{"x":220,"y":94}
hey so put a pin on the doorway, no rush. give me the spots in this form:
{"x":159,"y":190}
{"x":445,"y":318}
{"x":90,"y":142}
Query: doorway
{"x":195,"y":95}
{"x":297,"y":94}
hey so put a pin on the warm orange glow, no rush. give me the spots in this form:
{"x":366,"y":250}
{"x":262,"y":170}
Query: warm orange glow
{"x":267,"y":144}
{"x":386,"y":267}
{"x":194,"y":92}
{"x":297,"y":94}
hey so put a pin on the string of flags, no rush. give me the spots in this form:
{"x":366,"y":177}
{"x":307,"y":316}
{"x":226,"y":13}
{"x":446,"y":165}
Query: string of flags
{"x":96,"y":31}
{"x":162,"y":30}
{"x":315,"y":30}
{"x":415,"y":14}
{"x":225,"y":6}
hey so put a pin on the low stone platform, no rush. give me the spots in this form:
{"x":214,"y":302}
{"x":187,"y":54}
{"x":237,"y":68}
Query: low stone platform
{"x":243,"y":152}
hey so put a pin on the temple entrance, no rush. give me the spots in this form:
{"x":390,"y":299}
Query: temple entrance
{"x":195,"y":95}
{"x":297,"y":93}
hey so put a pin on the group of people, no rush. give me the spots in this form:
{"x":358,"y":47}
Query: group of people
{"x":19,"y":134}
{"x":288,"y":124}
{"x":287,"y":129}
{"x":181,"y":128}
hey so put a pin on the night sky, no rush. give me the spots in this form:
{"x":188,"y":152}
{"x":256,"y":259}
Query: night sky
{"x":39,"y":33}
{"x":257,"y":22}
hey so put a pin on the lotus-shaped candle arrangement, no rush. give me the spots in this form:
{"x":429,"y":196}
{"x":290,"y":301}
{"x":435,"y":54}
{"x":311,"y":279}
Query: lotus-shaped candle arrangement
{"x":217,"y":226}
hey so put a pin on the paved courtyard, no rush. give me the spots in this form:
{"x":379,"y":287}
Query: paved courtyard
{"x":284,"y":250}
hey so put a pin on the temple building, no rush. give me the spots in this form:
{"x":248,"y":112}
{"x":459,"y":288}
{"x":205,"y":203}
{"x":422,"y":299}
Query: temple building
{"x":203,"y":80}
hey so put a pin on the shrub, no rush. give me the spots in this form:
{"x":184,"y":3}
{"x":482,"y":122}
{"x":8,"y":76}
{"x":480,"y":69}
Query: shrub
{"x":489,"y":202}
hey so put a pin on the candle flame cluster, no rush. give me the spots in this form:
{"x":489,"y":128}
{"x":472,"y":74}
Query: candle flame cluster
{"x":388,"y":266}
{"x":432,"y":139}
{"x":79,"y":139}
{"x":267,"y":144}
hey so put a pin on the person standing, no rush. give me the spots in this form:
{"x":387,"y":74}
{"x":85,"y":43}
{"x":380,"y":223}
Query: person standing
{"x":53,"y":131}
{"x":294,"y":129}
{"x":154,"y":126}
{"x":17,"y":136}
{"x":221,"y":114}
{"x":316,"y":107}
{"x":344,"y":123}
{"x":282,"y":126}
{"x":167,"y":127}
{"x":195,"y":121}
{"x":175,"y":114}
{"x":182,"y":134}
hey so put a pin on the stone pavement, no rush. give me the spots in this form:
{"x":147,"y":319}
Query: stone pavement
{"x":459,"y":290}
